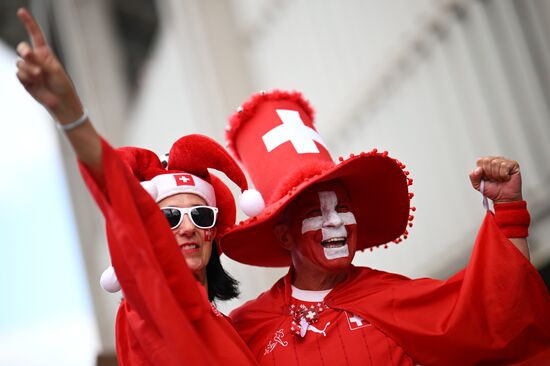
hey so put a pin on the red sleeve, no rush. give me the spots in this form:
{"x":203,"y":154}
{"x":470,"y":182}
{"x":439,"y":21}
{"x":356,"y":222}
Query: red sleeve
{"x":164,"y":319}
{"x":495,"y":311}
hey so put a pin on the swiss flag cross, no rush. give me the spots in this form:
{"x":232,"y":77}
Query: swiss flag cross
{"x":356,"y":322}
{"x":184,"y":179}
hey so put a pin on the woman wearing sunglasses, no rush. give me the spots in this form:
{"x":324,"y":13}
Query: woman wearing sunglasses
{"x":161,"y":248}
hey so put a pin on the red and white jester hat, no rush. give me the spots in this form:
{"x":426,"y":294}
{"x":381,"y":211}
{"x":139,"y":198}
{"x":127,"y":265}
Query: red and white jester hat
{"x":274,"y":138}
{"x":186,"y":171}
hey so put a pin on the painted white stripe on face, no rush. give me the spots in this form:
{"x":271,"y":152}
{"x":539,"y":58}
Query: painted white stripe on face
{"x":312,"y":224}
{"x":334,"y":253}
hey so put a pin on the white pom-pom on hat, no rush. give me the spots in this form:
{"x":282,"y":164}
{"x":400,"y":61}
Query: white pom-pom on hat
{"x":164,"y":159}
{"x":251,"y":202}
{"x":151,"y":188}
{"x":109,"y":281}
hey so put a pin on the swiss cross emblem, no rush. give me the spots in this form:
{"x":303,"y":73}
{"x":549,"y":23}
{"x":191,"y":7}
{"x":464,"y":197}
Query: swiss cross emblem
{"x":292,"y":130}
{"x":356,"y":322}
{"x":184,"y":179}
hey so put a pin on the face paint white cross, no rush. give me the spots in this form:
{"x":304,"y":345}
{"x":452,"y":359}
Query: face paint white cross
{"x":331,"y":223}
{"x":294,"y":130}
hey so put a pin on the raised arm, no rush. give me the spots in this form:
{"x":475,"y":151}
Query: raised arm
{"x":45,"y":78}
{"x":502,"y":179}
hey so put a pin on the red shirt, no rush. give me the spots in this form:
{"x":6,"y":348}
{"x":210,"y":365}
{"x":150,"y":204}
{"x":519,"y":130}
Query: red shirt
{"x":337,"y":338}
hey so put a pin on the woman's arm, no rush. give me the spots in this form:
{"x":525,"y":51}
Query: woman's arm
{"x":45,"y":78}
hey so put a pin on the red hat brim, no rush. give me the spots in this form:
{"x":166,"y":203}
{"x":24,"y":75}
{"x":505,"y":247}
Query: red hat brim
{"x":378,"y":188}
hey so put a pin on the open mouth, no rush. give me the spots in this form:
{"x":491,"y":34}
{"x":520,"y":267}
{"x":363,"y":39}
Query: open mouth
{"x":334,"y":242}
{"x":189,"y":246}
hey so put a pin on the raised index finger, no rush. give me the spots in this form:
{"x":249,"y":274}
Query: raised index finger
{"x":33,"y":29}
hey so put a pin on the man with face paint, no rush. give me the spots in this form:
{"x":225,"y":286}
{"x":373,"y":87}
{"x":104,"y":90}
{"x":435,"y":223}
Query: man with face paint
{"x":320,"y":234}
{"x":317,"y":214}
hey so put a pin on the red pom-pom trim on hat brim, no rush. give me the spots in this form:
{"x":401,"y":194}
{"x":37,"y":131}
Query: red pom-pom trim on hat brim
{"x":378,"y":186}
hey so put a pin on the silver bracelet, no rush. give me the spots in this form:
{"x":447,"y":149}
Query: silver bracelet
{"x":71,"y":126}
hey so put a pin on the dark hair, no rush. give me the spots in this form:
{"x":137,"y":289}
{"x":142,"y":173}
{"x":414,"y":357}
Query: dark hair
{"x":221,"y":286}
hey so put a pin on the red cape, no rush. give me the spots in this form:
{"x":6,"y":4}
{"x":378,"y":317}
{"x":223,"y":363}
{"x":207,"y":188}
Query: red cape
{"x":495,"y":311}
{"x":165,"y":317}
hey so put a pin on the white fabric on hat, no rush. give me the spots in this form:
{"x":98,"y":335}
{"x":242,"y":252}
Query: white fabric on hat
{"x":294,"y":130}
{"x":170,"y":184}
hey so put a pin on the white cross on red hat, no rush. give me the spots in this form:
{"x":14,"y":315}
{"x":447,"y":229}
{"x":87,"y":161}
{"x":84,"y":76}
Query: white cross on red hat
{"x":277,"y":137}
{"x":292,"y":130}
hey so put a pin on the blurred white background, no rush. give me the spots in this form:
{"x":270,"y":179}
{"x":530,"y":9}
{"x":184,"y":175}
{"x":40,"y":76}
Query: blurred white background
{"x":46,"y":315}
{"x":437,"y":83}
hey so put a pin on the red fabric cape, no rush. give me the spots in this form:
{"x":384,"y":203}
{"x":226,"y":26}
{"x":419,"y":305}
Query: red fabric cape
{"x":496,"y":311}
{"x":165,"y":317}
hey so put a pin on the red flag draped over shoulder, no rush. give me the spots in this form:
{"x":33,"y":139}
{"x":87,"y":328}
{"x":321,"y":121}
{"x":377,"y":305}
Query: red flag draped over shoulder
{"x":165,"y":317}
{"x":494,"y":312}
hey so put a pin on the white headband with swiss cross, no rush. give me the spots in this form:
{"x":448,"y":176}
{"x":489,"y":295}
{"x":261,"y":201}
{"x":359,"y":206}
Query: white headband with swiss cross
{"x":166,"y":185}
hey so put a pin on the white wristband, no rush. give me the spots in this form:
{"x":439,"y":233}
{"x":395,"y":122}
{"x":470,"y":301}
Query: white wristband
{"x":74,"y":124}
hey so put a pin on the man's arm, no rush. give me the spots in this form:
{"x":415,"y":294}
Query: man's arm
{"x":502,"y":179}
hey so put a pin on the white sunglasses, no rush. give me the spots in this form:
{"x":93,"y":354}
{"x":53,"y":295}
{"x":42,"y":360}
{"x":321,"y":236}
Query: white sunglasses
{"x":203,"y":217}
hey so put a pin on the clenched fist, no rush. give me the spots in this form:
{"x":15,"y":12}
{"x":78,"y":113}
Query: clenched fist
{"x":502,"y":179}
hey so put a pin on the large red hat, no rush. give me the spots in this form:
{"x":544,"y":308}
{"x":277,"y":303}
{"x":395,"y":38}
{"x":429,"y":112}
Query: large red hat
{"x":273,"y":137}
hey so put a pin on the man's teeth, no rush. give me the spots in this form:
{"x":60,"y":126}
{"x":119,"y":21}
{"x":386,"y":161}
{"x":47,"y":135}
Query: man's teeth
{"x":334,"y":242}
{"x":189,"y":246}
